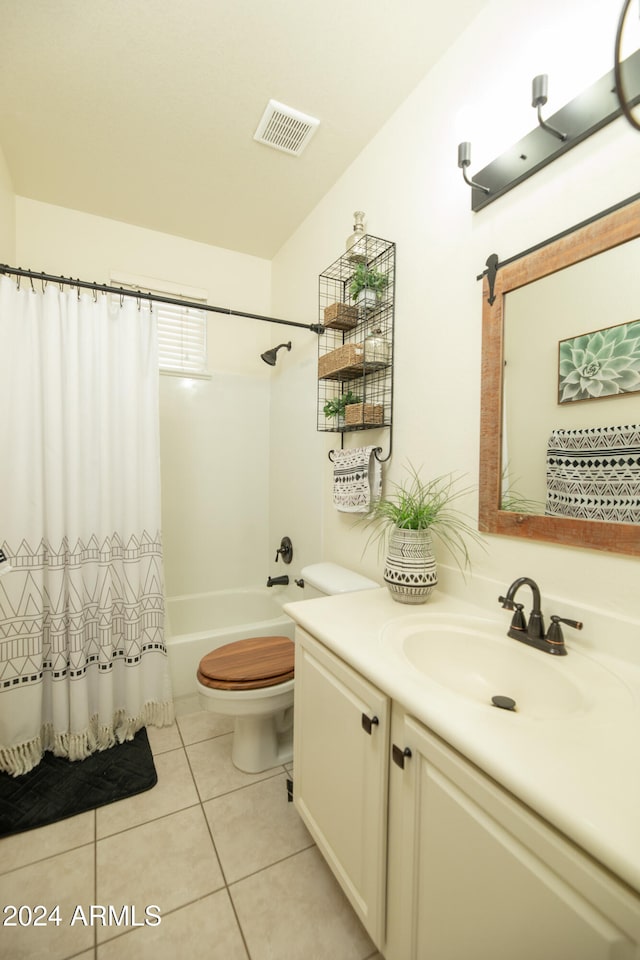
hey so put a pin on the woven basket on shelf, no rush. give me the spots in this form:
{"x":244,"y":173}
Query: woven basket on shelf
{"x":341,"y":362}
{"x":340,"y":316}
{"x":361,"y":413}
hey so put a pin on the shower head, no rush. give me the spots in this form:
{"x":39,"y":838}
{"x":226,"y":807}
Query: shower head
{"x":270,"y":356}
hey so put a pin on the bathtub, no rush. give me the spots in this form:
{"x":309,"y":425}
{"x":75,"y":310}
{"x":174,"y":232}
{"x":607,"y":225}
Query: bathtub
{"x":201,"y":622}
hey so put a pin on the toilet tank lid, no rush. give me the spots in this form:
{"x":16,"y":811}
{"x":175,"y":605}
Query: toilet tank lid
{"x":331,"y":578}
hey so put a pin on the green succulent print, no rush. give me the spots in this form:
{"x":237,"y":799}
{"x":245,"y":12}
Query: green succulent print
{"x":600,"y":364}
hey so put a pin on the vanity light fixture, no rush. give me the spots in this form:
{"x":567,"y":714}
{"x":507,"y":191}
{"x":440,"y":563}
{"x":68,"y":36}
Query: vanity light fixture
{"x":539,"y":88}
{"x":588,"y":112}
{"x":464,"y":160}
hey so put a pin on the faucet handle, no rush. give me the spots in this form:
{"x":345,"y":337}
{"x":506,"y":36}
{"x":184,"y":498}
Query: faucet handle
{"x":519,"y":621}
{"x":285,"y":550}
{"x":555,"y":630}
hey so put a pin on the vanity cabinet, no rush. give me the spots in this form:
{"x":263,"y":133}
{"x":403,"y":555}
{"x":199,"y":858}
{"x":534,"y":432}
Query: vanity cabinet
{"x":341,"y":768}
{"x":439,"y":861}
{"x":474,"y":873}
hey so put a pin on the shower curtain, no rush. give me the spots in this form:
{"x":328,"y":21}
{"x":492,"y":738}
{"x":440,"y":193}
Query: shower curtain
{"x":83,"y":663}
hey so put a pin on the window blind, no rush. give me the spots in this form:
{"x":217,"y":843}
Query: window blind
{"x":182,"y":338}
{"x":182,"y":331}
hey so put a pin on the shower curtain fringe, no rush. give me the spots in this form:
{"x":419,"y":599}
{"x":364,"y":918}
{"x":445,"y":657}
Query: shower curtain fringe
{"x":21,"y":758}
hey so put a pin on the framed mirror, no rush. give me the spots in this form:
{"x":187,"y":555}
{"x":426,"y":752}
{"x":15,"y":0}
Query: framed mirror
{"x":552,"y":320}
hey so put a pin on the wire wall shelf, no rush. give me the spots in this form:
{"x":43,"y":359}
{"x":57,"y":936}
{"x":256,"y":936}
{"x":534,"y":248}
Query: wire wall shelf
{"x":355,"y":353}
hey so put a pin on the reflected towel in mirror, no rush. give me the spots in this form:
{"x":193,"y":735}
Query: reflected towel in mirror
{"x":594,"y":474}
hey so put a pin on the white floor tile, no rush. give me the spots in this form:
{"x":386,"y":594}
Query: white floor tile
{"x":187,"y":704}
{"x":65,"y":881}
{"x":31,"y":845}
{"x":254,"y":827}
{"x":162,"y":739}
{"x":166,"y":863}
{"x":205,"y":930}
{"x":296,"y":910}
{"x":175,"y":790}
{"x":213,"y":770}
{"x":203,"y":725}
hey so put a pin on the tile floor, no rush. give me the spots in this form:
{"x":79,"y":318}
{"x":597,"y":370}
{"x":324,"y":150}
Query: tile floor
{"x":221,"y":854}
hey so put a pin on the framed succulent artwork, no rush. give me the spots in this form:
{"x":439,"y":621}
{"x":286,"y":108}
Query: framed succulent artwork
{"x":604,"y":363}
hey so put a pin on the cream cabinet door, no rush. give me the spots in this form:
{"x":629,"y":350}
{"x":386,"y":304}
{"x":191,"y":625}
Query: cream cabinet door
{"x":340,"y":774}
{"x":474,"y":874}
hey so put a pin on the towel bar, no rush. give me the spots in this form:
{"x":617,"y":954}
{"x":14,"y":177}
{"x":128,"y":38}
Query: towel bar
{"x":376,"y":453}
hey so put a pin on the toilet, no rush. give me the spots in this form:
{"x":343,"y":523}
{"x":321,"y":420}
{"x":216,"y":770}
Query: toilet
{"x":252,"y":680}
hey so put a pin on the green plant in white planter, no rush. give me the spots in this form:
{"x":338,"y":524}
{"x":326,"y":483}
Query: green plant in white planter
{"x":337,"y":405}
{"x":368,"y":285}
{"x":405,"y":519}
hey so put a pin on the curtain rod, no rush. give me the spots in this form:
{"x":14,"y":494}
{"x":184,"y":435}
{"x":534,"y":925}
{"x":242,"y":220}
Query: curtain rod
{"x":140,"y":295}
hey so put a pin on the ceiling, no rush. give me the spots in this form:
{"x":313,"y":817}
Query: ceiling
{"x":144,"y":110}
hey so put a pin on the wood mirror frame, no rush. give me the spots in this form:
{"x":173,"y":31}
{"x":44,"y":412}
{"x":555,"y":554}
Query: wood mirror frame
{"x":610,"y":229}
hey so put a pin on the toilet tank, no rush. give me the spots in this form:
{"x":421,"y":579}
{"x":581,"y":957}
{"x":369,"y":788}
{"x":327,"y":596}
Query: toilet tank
{"x":329,"y":579}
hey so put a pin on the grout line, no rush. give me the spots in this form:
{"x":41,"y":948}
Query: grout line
{"x":143,"y":823}
{"x":49,"y":856}
{"x":268,"y":866}
{"x":235,"y":913}
{"x":222,"y":872}
{"x":252,"y":783}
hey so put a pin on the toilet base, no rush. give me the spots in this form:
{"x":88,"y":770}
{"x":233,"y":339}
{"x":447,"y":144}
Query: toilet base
{"x":260,"y":742}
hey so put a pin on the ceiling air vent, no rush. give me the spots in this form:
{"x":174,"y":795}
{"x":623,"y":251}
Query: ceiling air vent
{"x":285,"y":129}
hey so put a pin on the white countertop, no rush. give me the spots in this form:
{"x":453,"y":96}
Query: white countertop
{"x":581,"y":772}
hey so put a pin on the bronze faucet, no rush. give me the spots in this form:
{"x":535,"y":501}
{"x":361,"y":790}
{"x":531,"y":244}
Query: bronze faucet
{"x":533,"y":631}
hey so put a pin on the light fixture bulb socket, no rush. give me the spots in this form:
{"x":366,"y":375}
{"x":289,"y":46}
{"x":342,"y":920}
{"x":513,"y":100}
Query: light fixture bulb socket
{"x":539,"y":90}
{"x":464,"y":154}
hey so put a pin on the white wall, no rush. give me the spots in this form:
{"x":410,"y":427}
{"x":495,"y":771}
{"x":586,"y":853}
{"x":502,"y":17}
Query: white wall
{"x":7,"y":214}
{"x":214,"y":433}
{"x":408,"y":183}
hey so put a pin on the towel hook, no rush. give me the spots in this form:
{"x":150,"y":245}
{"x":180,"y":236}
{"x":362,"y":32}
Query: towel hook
{"x":379,"y":450}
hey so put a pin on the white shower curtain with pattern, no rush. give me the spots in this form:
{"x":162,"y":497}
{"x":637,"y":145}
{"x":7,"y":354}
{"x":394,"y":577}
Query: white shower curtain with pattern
{"x":83,"y":662}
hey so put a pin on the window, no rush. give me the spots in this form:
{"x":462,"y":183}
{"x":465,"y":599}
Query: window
{"x":182,"y":339}
{"x":182,"y":330}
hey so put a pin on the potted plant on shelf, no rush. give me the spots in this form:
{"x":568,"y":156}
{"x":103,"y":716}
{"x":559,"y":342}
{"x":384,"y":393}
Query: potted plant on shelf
{"x":336,"y":406}
{"x":367,"y":286}
{"x":406,"y":518}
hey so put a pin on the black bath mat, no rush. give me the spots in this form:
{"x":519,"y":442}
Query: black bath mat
{"x":58,"y":788}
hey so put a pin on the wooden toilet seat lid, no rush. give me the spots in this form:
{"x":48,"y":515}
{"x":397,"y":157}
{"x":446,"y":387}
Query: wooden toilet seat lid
{"x":248,"y":664}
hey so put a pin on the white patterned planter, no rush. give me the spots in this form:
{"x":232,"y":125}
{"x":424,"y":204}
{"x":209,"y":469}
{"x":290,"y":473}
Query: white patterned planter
{"x":410,"y":566}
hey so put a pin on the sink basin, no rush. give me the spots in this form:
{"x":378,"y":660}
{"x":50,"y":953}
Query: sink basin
{"x":473,"y":659}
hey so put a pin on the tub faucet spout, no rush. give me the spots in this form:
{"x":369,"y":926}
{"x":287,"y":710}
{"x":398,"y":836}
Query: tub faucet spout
{"x":278,"y":581}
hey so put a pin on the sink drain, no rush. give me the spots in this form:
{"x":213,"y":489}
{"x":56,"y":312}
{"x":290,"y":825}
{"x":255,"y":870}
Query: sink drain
{"x":505,"y":703}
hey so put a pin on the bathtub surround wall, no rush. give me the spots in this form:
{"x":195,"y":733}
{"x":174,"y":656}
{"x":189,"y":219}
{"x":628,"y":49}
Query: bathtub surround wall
{"x":215,"y":494}
{"x":214,"y":433}
{"x":408,"y":181}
